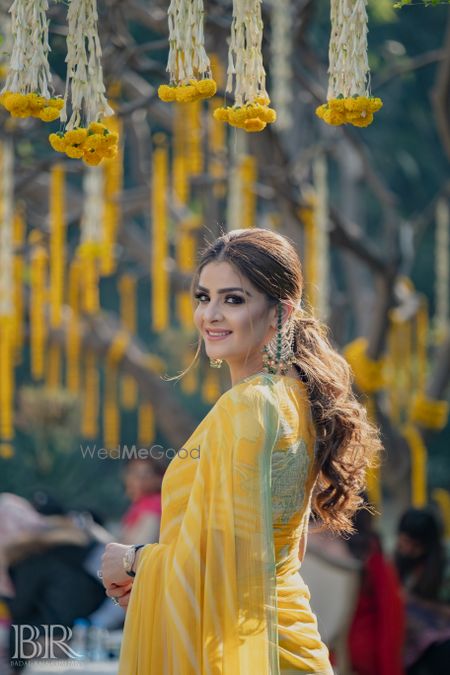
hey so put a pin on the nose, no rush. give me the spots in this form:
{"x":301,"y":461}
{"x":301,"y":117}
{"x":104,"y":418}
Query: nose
{"x":212,"y":311}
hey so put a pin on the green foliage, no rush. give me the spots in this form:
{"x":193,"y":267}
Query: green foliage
{"x":403,"y":3}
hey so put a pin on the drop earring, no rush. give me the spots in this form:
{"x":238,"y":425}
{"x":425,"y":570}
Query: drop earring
{"x":278,"y":354}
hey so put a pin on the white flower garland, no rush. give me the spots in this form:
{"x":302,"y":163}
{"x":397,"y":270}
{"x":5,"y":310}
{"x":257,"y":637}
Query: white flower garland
{"x":348,"y":63}
{"x":322,"y":236}
{"x":281,"y":52}
{"x":187,"y":56}
{"x":442,"y":280}
{"x":6,"y":229}
{"x":92,"y":218}
{"x":84,"y":82}
{"x":29,"y":70}
{"x":245,"y":62}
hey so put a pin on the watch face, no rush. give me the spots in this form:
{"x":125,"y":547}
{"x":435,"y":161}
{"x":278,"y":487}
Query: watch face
{"x":128,"y":559}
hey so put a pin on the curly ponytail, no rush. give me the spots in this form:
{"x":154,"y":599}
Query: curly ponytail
{"x":347,"y":443}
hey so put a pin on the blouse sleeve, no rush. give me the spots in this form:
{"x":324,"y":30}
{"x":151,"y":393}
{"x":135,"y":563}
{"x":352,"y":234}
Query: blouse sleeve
{"x":206,"y":602}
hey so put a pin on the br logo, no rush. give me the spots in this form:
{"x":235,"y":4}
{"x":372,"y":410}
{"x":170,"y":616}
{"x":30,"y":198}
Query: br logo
{"x":30,"y":643}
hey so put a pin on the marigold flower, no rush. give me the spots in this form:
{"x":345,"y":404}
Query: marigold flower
{"x":186,"y":94}
{"x":74,"y":152}
{"x":93,"y":141}
{"x":49,"y":114}
{"x":57,"y":142}
{"x":333,"y":117}
{"x":336,"y":104}
{"x":20,"y":111}
{"x":206,"y":87}
{"x":238,"y":115}
{"x":254,"y":124}
{"x":110,"y":139}
{"x":92,"y":158}
{"x":11,"y":101}
{"x":166,"y":93}
{"x":267,"y":115}
{"x":36,"y":101}
{"x":374,"y":104}
{"x":221,"y":114}
{"x":97,"y":128}
{"x":75,"y":136}
{"x":56,"y":103}
{"x":362,"y":121}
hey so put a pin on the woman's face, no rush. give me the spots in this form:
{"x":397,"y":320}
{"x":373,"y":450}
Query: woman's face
{"x":233,"y":318}
{"x":140,"y":479}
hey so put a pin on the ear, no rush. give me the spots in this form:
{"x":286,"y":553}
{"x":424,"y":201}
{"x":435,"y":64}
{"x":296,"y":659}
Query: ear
{"x":286,"y":311}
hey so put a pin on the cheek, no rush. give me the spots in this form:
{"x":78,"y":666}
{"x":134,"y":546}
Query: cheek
{"x":251,"y":324}
{"x":197,"y":316}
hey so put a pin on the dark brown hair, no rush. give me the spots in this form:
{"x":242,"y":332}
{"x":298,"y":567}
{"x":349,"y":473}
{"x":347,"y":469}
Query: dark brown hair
{"x":347,"y":443}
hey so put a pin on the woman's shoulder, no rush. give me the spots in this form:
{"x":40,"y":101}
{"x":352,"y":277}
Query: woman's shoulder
{"x":263,"y":388}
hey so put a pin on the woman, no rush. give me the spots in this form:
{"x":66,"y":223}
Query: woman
{"x":143,"y":477}
{"x":420,"y":560}
{"x":220,"y":593}
{"x":377,"y":632}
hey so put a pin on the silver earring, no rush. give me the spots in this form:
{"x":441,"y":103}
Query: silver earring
{"x":278,"y":354}
{"x":215,"y":363}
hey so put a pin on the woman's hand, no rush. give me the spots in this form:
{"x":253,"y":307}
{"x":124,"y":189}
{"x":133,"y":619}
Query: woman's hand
{"x":113,"y":573}
{"x":120,"y":593}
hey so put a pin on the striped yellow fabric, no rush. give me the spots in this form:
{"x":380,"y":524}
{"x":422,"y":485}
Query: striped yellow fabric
{"x":220,"y":594}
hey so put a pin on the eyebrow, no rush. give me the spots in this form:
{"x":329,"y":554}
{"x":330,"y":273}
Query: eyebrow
{"x":225,"y":290}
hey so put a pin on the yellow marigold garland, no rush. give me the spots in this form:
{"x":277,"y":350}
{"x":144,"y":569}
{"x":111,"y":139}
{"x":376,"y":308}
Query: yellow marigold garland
{"x":355,"y":110}
{"x":251,"y":117}
{"x":91,"y":144}
{"x":418,"y":452}
{"x":429,"y":413}
{"x":31,"y":105}
{"x":196,"y":90}
{"x":369,"y":375}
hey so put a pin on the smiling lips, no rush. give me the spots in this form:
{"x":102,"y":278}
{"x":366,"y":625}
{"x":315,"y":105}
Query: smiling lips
{"x":217,"y":334}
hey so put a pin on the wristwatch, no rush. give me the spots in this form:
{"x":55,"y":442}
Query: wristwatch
{"x":129,"y":558}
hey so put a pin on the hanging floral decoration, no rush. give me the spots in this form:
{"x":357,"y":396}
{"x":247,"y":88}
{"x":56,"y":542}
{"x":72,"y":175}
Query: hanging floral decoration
{"x":281,"y":43}
{"x":188,"y":63}
{"x":245,"y":67}
{"x":26,"y":91}
{"x":84,"y":137}
{"x":348,"y":99}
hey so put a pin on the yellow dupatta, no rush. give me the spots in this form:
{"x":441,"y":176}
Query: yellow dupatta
{"x":204,"y":598}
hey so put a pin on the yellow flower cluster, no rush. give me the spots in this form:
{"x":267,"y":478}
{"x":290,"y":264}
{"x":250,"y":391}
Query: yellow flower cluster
{"x":186,"y":93}
{"x":32,"y":105}
{"x":357,"y":110}
{"x":91,"y":145}
{"x":250,"y":117}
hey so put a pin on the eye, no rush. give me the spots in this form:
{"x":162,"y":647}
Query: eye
{"x":238,"y":299}
{"x":199,"y":296}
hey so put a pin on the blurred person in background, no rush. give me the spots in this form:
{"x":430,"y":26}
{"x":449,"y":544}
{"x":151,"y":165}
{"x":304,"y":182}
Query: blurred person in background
{"x":45,"y":575}
{"x":143,"y":478}
{"x":377,"y":631}
{"x":420,"y":560}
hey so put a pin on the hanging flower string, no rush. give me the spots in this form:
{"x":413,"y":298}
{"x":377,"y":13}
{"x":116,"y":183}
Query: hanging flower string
{"x":348,"y":99}
{"x":245,"y":65}
{"x":84,"y":137}
{"x":188,"y":63}
{"x":26,"y":91}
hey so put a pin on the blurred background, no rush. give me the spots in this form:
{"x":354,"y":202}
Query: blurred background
{"x":96,"y":328}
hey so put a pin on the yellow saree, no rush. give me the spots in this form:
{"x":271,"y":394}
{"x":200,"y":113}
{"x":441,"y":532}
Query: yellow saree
{"x":220,"y":594}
